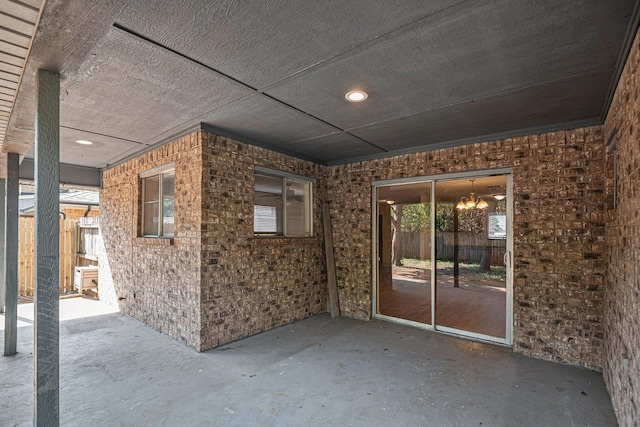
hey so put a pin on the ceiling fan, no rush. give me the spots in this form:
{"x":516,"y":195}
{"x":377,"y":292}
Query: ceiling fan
{"x":290,"y":195}
{"x":498,"y":192}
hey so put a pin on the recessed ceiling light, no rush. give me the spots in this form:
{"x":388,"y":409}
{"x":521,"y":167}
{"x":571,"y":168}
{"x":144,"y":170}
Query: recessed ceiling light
{"x":83,"y":142}
{"x":356,"y":96}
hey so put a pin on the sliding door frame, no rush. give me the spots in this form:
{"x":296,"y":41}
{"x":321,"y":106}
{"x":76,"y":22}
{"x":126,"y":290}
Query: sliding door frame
{"x":432,"y":179}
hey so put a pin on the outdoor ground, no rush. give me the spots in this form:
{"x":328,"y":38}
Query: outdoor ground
{"x":115,"y":371}
{"x":417,"y":269}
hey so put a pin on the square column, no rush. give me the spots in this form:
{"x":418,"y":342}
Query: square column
{"x":47,"y":257}
{"x":11,"y":256}
{"x":3,"y":196}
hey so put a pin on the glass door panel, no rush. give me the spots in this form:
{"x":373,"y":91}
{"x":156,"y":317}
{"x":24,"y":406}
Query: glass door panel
{"x":470,"y":245}
{"x":404,"y":251}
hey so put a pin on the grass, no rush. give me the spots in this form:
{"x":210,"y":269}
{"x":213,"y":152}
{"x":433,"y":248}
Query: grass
{"x":472,"y":272}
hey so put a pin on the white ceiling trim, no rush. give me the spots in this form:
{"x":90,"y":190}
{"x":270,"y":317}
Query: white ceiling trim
{"x":18,"y":22}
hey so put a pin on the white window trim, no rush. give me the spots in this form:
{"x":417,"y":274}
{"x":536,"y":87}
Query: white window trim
{"x":157,"y":171}
{"x":262,"y":169}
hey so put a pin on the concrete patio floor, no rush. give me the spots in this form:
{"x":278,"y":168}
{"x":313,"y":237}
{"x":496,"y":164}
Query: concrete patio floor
{"x":115,"y":371}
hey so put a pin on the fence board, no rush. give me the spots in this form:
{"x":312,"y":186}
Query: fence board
{"x":25,"y":255}
{"x":61,"y":243}
{"x":472,"y":247}
{"x":67,"y":254}
{"x":26,"y":227}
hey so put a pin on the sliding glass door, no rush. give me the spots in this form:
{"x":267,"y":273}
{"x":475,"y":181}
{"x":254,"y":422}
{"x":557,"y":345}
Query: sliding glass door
{"x":404,"y":252}
{"x":470,"y":251}
{"x":443,"y":250}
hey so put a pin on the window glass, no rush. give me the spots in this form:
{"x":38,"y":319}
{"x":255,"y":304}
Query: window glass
{"x":297,"y":202}
{"x":150,"y":226}
{"x":168,"y":179}
{"x":265,"y":219}
{"x":158,"y":204}
{"x":611,"y":188}
{"x":267,"y":205}
{"x":281,"y":205}
{"x":151,"y":189}
{"x":150,"y":206}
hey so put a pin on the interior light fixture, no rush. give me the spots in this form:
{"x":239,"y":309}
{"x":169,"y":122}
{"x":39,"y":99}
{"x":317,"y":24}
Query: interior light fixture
{"x":390,"y":202}
{"x":83,"y":142}
{"x":356,"y":96}
{"x":471,"y":202}
{"x":499,"y":196}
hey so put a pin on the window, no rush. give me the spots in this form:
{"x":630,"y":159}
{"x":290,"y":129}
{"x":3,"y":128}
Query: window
{"x":158,"y":202}
{"x":611,"y":189}
{"x":497,"y":228}
{"x":281,"y":204}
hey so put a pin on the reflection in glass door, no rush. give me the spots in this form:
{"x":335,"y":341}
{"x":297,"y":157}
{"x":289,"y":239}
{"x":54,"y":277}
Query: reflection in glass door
{"x":453,"y":233}
{"x":471,"y":237}
{"x":404,"y":252}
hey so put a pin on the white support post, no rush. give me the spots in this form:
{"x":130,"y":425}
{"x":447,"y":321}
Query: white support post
{"x":47,"y":288}
{"x":11,"y":257}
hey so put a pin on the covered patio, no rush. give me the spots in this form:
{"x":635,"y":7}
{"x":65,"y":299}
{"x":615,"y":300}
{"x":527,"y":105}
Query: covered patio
{"x":238,"y":148}
{"x":116,"y":371}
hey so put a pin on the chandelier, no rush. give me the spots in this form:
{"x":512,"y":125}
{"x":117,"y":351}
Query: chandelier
{"x":471,"y":202}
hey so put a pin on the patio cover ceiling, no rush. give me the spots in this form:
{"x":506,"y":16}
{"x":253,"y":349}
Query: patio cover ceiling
{"x":136,"y":74}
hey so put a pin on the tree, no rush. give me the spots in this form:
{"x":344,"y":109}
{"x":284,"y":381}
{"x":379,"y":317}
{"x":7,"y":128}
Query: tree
{"x":469,"y":220}
{"x":416,"y":218}
{"x":396,"y":221}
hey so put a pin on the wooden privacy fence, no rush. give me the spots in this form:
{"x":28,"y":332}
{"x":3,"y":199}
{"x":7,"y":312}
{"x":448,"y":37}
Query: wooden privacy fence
{"x":26,"y":264}
{"x":473,"y":246}
{"x":415,"y":245}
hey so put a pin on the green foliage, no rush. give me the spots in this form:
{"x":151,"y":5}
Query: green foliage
{"x":168,"y":207}
{"x":417,"y":218}
{"x":444,"y":217}
{"x":471,"y":220}
{"x":469,"y":272}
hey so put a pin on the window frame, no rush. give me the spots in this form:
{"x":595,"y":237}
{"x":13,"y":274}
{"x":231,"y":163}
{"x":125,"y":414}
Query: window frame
{"x":611,"y":172}
{"x":260,"y":170}
{"x":143,"y":176}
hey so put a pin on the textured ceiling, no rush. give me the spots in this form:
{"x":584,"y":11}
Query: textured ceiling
{"x":274,"y":73}
{"x":447,"y":191}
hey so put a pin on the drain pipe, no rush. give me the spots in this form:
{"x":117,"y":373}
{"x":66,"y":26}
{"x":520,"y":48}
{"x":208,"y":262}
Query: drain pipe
{"x":87,"y":211}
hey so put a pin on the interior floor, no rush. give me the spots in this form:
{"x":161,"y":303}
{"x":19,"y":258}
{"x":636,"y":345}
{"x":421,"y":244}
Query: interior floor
{"x":475,"y":305}
{"x":470,"y":307}
{"x":116,"y":371}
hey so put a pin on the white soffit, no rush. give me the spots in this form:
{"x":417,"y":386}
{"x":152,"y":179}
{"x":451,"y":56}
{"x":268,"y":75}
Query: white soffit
{"x":18,"y":22}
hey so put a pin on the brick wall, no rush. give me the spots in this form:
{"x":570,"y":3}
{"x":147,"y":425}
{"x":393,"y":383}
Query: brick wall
{"x":214,"y":282}
{"x":225,"y":284}
{"x":558,"y":234}
{"x":622,"y":260}
{"x":155,"y":280}
{"x":251,"y":284}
